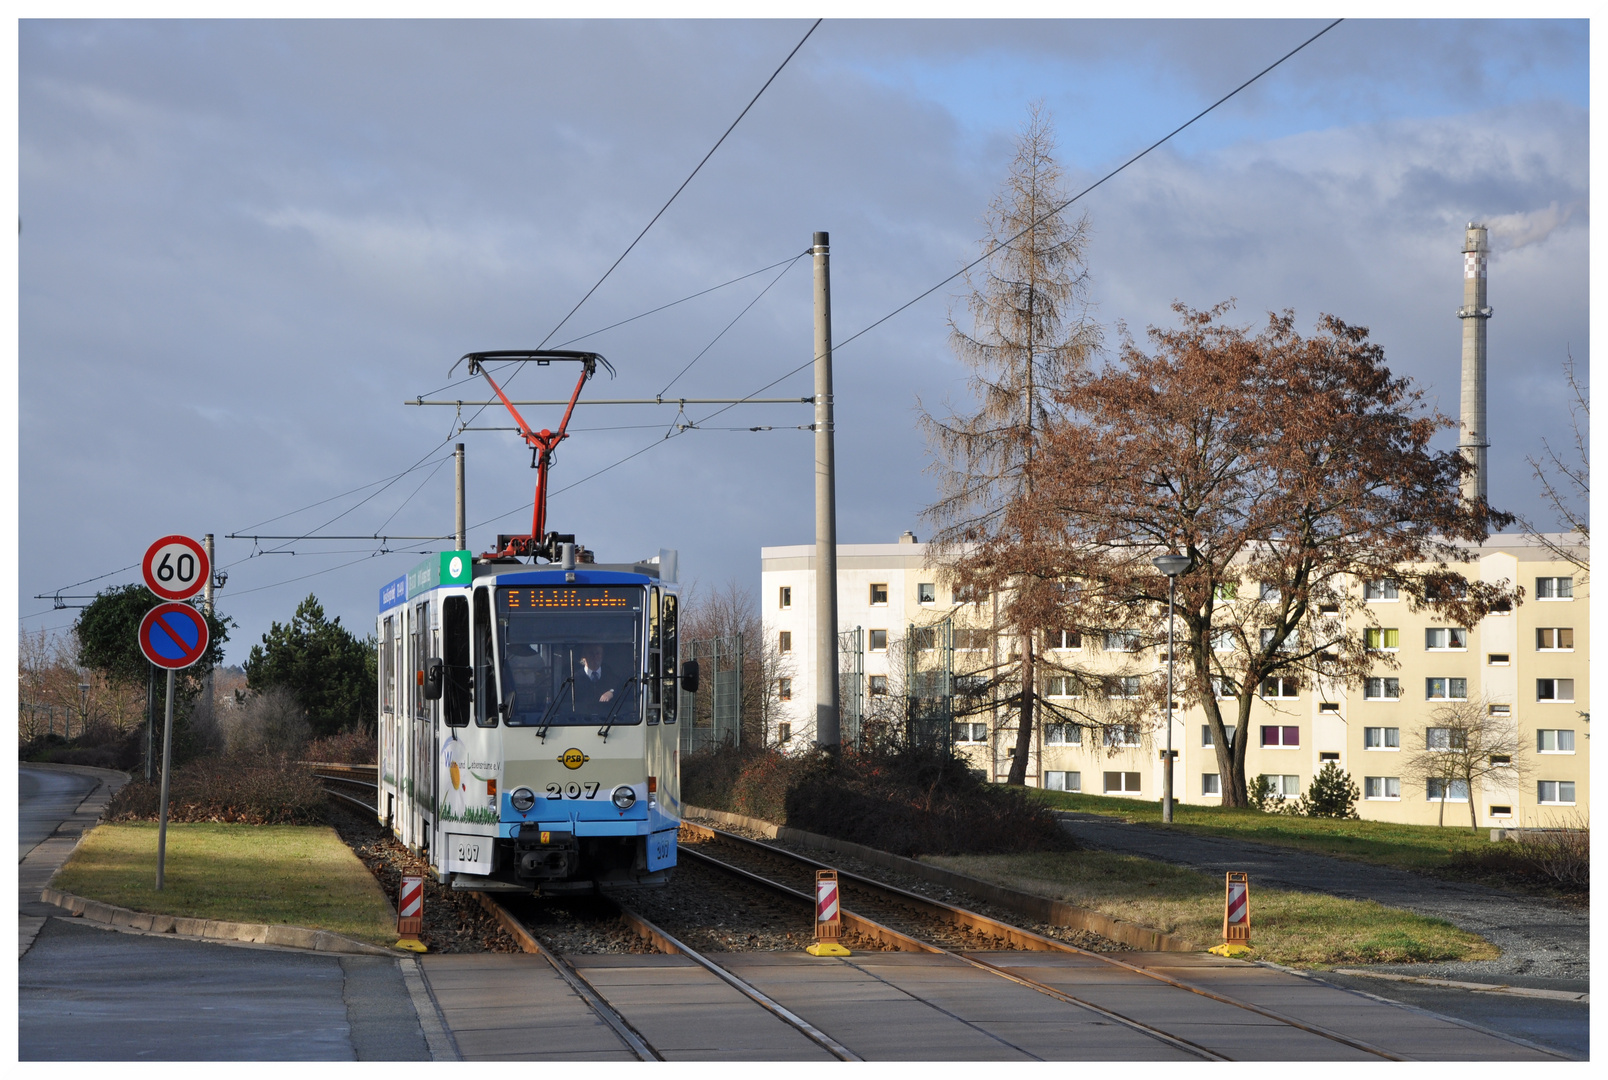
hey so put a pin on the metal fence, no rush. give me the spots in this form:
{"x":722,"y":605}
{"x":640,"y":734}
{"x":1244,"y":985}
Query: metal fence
{"x":851,"y":686}
{"x":712,"y":717}
{"x":929,"y":684}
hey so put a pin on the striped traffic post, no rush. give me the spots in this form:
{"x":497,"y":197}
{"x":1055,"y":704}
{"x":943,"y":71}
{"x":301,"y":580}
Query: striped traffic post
{"x":828,"y":916}
{"x":1236,"y":915}
{"x":410,"y":914}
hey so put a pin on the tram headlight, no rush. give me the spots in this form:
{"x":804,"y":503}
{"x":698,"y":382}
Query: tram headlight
{"x":523,"y":799}
{"x":624,"y":797}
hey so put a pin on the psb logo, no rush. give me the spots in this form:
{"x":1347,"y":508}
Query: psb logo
{"x":573,"y":758}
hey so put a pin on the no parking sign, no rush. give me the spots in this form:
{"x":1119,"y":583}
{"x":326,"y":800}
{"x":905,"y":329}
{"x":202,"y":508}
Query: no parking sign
{"x":173,"y":636}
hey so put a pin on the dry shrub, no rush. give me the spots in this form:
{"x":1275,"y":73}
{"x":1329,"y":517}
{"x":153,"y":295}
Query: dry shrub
{"x":235,"y":790}
{"x":909,"y":802}
{"x":1556,"y":860}
{"x":356,"y":747}
{"x":270,"y":724}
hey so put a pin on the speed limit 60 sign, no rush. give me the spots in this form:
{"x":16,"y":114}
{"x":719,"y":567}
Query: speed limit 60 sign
{"x":176,"y":567}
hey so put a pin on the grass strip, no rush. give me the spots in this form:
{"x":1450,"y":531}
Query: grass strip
{"x":1299,"y":929}
{"x":288,"y":875}
{"x":1425,"y":848}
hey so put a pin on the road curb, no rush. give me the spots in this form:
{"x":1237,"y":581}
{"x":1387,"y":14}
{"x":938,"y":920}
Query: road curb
{"x":1041,"y":908}
{"x":1473,"y":987}
{"x":290,"y":937}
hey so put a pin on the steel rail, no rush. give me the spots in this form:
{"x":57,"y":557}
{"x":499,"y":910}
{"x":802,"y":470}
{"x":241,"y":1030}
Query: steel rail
{"x":347,"y":780}
{"x":669,"y":944}
{"x":976,"y":921}
{"x":887,"y":934}
{"x":640,"y":1046}
{"x":359,"y":803}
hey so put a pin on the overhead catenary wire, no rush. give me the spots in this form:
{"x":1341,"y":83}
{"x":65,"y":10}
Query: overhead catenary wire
{"x":790,"y":264}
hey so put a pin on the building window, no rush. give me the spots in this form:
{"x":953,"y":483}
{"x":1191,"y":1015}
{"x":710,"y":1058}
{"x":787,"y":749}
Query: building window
{"x":1328,"y":706}
{"x":1442,"y":638}
{"x":971,"y":732}
{"x":1268,"y":634}
{"x":1227,"y":590}
{"x":1554,"y":689}
{"x":1498,"y":659}
{"x":1446,"y":790}
{"x":1382,"y":638}
{"x":784,"y":641}
{"x":1329,"y":755}
{"x":1274,"y":735}
{"x":784,"y":689}
{"x":1500,"y":811}
{"x":1554,"y":639}
{"x":923,"y":638}
{"x":1499,"y":710}
{"x":1381,"y":738}
{"x":1286,"y":784}
{"x":1061,"y":686}
{"x":1445,"y":689}
{"x":1122,"y":735}
{"x":1063,"y":781}
{"x":1445,"y":738}
{"x":878,"y":685}
{"x":1555,"y":792}
{"x":1063,"y":735}
{"x":1063,"y":639}
{"x":1268,"y":593}
{"x":879,"y":595}
{"x":1502,"y":761}
{"x":1383,"y":589}
{"x":1123,"y":686}
{"x":1280,"y":686}
{"x":926,"y":593}
{"x":1224,"y":641}
{"x":1554,"y":588}
{"x":1121,"y":641}
{"x":784,"y":598}
{"x":878,"y":640}
{"x":1223,"y":687}
{"x":1384,"y":688}
{"x":1211,"y":784}
{"x":972,"y":640}
{"x":1120,"y":783}
{"x":969,"y":594}
{"x":1554,"y":741}
{"x":1381,"y":787}
{"x":784,"y":732}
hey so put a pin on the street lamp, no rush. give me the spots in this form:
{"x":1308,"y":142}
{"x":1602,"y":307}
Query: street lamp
{"x":1172,"y":566}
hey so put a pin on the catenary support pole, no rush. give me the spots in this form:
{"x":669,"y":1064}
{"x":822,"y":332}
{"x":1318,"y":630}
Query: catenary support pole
{"x":167,"y":770}
{"x":826,"y":617}
{"x":1167,"y":768}
{"x":460,"y":528}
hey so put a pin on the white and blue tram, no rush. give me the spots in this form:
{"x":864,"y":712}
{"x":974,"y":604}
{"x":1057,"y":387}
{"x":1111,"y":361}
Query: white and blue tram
{"x":527,"y":720}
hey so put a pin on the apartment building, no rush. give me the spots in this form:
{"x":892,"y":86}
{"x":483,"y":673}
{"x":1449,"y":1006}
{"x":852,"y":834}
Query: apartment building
{"x":1529,"y":666}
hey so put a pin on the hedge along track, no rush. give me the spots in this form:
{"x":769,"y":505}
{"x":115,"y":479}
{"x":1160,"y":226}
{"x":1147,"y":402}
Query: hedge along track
{"x":890,"y":895}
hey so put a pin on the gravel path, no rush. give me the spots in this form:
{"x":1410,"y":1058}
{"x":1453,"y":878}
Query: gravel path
{"x":1544,"y":945}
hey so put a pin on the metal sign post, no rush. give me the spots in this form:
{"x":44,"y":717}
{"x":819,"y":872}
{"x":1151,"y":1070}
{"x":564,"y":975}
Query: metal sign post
{"x":173,"y":636}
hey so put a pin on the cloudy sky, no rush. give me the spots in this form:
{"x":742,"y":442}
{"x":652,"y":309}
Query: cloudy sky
{"x":245,"y":245}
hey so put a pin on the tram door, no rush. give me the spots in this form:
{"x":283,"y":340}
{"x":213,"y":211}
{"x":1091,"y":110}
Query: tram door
{"x":419,"y":712}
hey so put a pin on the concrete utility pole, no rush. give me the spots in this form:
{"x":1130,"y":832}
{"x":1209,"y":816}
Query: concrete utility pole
{"x":461,"y":528}
{"x":826,"y":614}
{"x":1474,"y":441}
{"x":206,"y":596}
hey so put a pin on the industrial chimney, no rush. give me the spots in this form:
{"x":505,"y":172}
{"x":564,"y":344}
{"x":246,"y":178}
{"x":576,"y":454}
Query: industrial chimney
{"x":1473,"y":439}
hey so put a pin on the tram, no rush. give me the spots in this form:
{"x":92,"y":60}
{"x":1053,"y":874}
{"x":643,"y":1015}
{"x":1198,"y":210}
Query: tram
{"x":528,"y":710}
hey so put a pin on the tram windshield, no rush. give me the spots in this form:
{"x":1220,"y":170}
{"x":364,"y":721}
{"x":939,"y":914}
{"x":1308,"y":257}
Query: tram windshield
{"x":571,"y":655}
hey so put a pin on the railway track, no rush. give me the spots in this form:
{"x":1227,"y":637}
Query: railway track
{"x":882,"y":915}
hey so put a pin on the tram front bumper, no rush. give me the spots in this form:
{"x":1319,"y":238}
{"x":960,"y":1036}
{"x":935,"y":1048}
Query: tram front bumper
{"x":545,"y":854}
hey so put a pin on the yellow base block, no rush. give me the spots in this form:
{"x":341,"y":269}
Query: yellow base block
{"x":1231,"y":949}
{"x":412,"y":945}
{"x":827,"y":948}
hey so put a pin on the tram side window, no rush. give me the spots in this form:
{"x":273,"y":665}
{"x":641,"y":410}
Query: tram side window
{"x":421,"y":650}
{"x":388,"y":665}
{"x":655,"y":629}
{"x":486,"y":698}
{"x":668,"y":662}
{"x":455,"y":636}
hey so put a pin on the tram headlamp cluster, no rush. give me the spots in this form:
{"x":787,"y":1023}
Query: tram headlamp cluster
{"x":624,"y":797}
{"x":522,"y":798}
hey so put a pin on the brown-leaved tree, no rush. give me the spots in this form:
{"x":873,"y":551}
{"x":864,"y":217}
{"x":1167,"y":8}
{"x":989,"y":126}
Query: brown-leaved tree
{"x":1288,"y":468}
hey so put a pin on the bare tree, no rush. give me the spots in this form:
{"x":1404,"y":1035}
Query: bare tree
{"x":1464,"y":745}
{"x":1565,"y":480}
{"x":1029,"y":333}
{"x":726,"y":612}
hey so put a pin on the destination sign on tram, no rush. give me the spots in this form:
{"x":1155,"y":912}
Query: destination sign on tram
{"x":591,"y":597}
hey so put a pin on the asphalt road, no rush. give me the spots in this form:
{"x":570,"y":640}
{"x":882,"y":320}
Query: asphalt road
{"x":46,"y":798}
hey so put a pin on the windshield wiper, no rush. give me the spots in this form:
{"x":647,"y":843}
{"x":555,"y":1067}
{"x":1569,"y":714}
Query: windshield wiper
{"x":542,"y":725}
{"x":608,"y":721}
